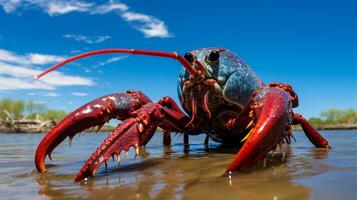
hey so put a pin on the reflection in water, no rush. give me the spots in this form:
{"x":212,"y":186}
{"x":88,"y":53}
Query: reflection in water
{"x":319,"y":153}
{"x":176,"y":172}
{"x":173,"y":174}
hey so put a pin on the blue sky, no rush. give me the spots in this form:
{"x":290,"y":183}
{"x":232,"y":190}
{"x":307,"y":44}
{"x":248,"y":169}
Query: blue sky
{"x":311,"y":45}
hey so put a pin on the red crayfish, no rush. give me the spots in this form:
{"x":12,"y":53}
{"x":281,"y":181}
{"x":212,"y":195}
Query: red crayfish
{"x":221,"y":96}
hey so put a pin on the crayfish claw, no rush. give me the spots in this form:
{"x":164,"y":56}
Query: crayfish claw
{"x":94,"y":113}
{"x":266,"y":130}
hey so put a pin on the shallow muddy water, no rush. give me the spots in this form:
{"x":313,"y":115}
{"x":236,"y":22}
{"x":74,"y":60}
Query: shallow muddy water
{"x":180,"y":173}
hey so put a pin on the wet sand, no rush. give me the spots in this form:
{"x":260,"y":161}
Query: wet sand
{"x":180,"y":173}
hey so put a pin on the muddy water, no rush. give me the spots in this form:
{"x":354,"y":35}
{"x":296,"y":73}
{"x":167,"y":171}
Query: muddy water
{"x":180,"y":173}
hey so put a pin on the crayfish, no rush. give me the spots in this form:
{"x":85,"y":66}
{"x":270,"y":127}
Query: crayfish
{"x":221,"y":97}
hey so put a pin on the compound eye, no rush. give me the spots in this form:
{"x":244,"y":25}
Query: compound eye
{"x":213,"y":57}
{"x":189,"y":57}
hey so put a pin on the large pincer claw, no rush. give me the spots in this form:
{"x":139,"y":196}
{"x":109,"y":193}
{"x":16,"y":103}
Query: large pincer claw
{"x":270,"y":111}
{"x":94,"y":113}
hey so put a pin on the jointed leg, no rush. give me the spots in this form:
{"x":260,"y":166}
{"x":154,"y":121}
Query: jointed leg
{"x":311,"y":133}
{"x":206,"y":140}
{"x":170,"y":103}
{"x":166,"y":138}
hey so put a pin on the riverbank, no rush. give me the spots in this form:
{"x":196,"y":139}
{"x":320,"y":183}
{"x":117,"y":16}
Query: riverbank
{"x":331,"y":127}
{"x":43,"y":126}
{"x":37,"y":126}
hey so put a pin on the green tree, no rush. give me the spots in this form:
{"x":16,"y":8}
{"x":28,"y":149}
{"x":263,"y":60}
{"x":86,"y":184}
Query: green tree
{"x":54,"y":115}
{"x":14,"y":108}
{"x":316,"y":121}
{"x":332,"y":116}
{"x":18,"y":108}
{"x":350,"y":116}
{"x":34,"y":109}
{"x":5,"y":105}
{"x":335,"y":116}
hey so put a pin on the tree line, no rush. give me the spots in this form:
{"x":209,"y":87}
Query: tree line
{"x":334,"y":116}
{"x":19,"y":109}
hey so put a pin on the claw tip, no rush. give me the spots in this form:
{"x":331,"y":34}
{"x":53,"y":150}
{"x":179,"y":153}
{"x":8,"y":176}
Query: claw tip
{"x":50,"y":156}
{"x":93,"y":172}
{"x":136,"y":150}
{"x":126,"y":153}
{"x":70,"y":141}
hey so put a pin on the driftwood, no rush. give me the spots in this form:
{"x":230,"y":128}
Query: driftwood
{"x":10,"y":125}
{"x":26,"y":126}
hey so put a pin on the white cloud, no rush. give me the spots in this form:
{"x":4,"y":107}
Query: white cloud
{"x":111,"y":60}
{"x":10,"y":6}
{"x":11,"y":83}
{"x":42,"y":59}
{"x":109,"y":7}
{"x":80,"y":94}
{"x":87,"y":39}
{"x":28,"y":59}
{"x":51,"y":7}
{"x":50,"y":94}
{"x":16,"y":72}
{"x":63,"y":7}
{"x":150,"y":26}
{"x":59,"y":79}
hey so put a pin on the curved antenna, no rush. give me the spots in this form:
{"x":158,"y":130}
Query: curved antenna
{"x":173,"y":55}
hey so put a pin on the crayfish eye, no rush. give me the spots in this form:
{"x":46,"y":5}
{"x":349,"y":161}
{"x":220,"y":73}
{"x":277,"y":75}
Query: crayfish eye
{"x":213,"y":57}
{"x":189,"y":57}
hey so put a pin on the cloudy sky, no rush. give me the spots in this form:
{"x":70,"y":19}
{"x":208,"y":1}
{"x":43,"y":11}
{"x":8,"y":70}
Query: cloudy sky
{"x":311,"y":45}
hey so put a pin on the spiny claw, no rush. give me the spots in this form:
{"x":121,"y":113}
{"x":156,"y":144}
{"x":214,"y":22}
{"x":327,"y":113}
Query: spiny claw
{"x":125,"y":135}
{"x":250,"y":123}
{"x":70,"y":140}
{"x":136,"y":150}
{"x":247,"y":136}
{"x":118,"y":158}
{"x":100,"y":126}
{"x":251,"y":113}
{"x":106,"y":164}
{"x":271,"y":120}
{"x":91,"y":114}
{"x":50,"y":156}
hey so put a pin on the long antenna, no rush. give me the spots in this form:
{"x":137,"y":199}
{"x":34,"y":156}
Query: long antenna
{"x":172,"y":55}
